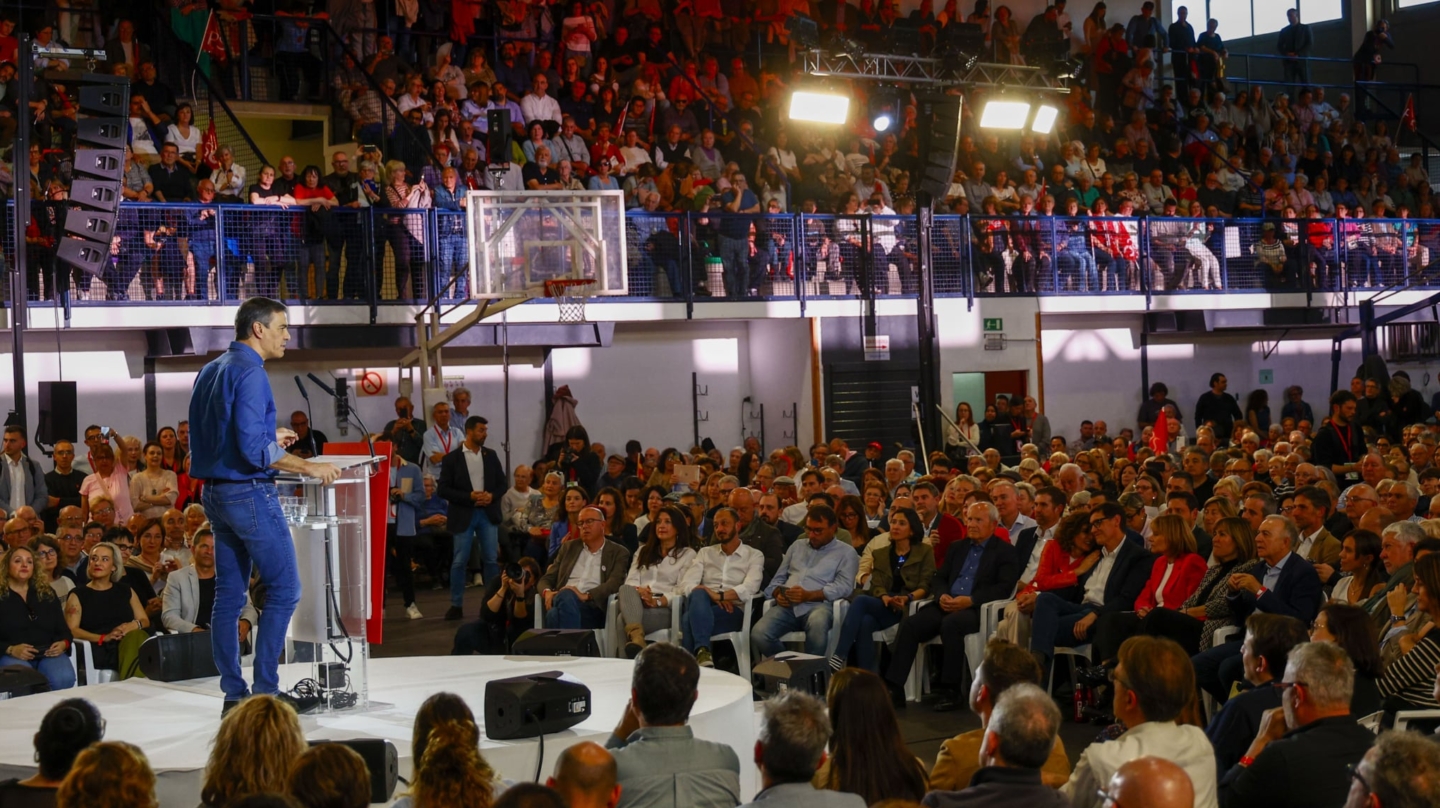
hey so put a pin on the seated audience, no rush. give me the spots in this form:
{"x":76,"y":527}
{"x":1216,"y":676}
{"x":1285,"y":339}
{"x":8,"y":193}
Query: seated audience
{"x":583,"y":576}
{"x":867,"y":753}
{"x":1154,"y":682}
{"x":815,"y":573}
{"x":1067,"y":555}
{"x":1267,"y":643}
{"x":259,"y":741}
{"x":70,"y":727}
{"x":585,"y":777}
{"x":902,"y":572}
{"x":1153,"y":782}
{"x":440,"y":708}
{"x":793,"y":733}
{"x":667,"y":549}
{"x":146,"y":570}
{"x":1304,"y":751}
{"x":1406,"y":684}
{"x":330,"y":775}
{"x":1194,"y":622}
{"x":451,"y":772}
{"x":1175,"y":575}
{"x":659,"y":761}
{"x":724,"y":577}
{"x":1401,"y":770}
{"x":33,"y":631}
{"x":105,"y":611}
{"x":190,"y":593}
{"x":110,"y":774}
{"x":1023,"y":731}
{"x":1005,"y":666}
{"x":1351,"y":628}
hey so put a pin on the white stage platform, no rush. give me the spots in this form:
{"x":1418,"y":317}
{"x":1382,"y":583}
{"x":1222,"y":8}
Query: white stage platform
{"x":176,"y":723}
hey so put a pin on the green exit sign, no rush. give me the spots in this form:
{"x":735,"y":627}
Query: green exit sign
{"x":994,"y":324}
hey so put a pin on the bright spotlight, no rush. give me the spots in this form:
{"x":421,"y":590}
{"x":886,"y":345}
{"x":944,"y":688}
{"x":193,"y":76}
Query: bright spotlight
{"x":819,"y":107}
{"x":1044,"y":122}
{"x":882,"y":122}
{"x":1005,"y":115}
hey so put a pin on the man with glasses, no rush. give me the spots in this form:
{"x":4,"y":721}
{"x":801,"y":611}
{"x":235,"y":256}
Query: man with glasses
{"x":17,"y":532}
{"x":1112,"y":585}
{"x":62,"y":484}
{"x":1286,"y":585}
{"x":1304,"y":749}
{"x":1153,"y":683}
{"x":308,"y":442}
{"x":813,"y":575}
{"x":73,"y":561}
{"x":583,"y":576}
{"x":1359,"y":499}
{"x":1401,"y":769}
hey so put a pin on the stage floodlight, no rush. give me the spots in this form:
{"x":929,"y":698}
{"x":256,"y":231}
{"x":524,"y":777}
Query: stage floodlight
{"x":816,"y":107}
{"x":884,"y":108}
{"x":1045,"y":116}
{"x":1004,"y":114}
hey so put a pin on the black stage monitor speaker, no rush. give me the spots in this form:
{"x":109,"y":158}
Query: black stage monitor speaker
{"x":556,"y":642}
{"x":791,"y":670}
{"x":178,"y":657}
{"x":22,"y":680}
{"x":539,"y":704}
{"x":497,"y":138}
{"x":57,"y":412}
{"x":383,"y":760}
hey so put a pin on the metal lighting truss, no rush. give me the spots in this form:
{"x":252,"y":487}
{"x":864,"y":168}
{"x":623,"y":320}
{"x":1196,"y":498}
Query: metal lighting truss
{"x":892,"y":68}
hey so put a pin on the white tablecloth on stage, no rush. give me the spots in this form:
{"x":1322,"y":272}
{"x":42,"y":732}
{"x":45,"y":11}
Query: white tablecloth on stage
{"x":175,"y":724}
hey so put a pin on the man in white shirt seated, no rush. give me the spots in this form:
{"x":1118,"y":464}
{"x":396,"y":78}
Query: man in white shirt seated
{"x":723,"y":577}
{"x":1154,"y":681}
{"x":190,"y":593}
{"x":584,"y":575}
{"x":537,"y":106}
{"x":810,"y":484}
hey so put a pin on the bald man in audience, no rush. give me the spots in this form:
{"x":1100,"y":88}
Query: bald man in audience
{"x":585,"y":777}
{"x":1152,"y":782}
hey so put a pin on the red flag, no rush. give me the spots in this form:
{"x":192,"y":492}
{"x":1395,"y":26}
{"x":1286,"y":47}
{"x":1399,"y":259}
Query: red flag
{"x":212,"y":42}
{"x":1160,"y":438}
{"x":209,"y":145}
{"x":1407,"y":117}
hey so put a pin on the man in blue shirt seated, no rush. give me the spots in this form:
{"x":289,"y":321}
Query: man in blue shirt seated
{"x":815,"y":573}
{"x":433,"y":542}
{"x":237,"y":450}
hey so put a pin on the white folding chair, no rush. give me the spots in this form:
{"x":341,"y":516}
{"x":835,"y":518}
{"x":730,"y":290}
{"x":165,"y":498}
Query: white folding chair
{"x":841,"y":607}
{"x":671,"y":633}
{"x":1222,"y":635}
{"x":740,"y":640}
{"x":1078,"y":652}
{"x":602,"y":635}
{"x":1404,"y":717}
{"x":82,"y":658}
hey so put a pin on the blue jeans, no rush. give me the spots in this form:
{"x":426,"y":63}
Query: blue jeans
{"x":480,"y":527}
{"x":781,"y":620}
{"x":1053,"y":623}
{"x":1081,"y":265}
{"x":867,"y":615}
{"x":250,"y":530}
{"x":454,"y":262}
{"x":56,"y":670}
{"x":567,"y":610}
{"x":703,"y":619}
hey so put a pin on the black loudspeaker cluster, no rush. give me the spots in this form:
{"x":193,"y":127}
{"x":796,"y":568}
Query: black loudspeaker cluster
{"x":497,"y":138}
{"x":57,"y":413}
{"x":99,"y":172}
{"x":538,"y":704}
{"x":943,"y":146}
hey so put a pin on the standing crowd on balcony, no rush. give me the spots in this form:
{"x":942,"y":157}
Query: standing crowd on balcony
{"x":1160,"y":179}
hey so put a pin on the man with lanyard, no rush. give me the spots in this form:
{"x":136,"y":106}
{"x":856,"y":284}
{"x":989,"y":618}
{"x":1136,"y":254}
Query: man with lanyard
{"x":441,"y":439}
{"x":1340,"y":445}
{"x":237,"y":455}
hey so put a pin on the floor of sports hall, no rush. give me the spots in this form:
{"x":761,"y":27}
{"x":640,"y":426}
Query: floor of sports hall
{"x":923,"y":729}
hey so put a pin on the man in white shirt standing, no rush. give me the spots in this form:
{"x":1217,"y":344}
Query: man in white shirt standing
{"x":441,"y":439}
{"x":21,"y":480}
{"x":1154,"y":681}
{"x":723,"y":578}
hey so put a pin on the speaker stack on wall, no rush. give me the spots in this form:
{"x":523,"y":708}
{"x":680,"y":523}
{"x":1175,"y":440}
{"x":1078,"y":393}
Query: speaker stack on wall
{"x":58,"y":420}
{"x":99,"y":171}
{"x":497,"y":136}
{"x":943,"y":144}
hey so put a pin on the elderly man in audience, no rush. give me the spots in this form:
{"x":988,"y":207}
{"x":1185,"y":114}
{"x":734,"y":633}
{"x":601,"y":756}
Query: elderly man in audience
{"x":659,"y":762}
{"x":1154,"y":682}
{"x":1402,"y":770}
{"x":1268,"y":640}
{"x":1287,"y":584}
{"x":814,"y":574}
{"x":1306,"y":748}
{"x":1397,"y":553}
{"x":1006,"y":666}
{"x":190,"y":594}
{"x":724,"y":576}
{"x":1019,"y":738}
{"x":585,"y":777}
{"x":442,"y":438}
{"x":977,"y":571}
{"x":794,"y":734}
{"x":583,"y":576}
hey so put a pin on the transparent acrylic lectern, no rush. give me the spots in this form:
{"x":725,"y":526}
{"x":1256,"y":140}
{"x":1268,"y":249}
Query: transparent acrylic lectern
{"x":330,"y":525}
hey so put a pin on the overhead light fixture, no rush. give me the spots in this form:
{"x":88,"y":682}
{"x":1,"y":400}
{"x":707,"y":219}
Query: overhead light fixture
{"x":1004,"y":114}
{"x":884,"y":108}
{"x":817,"y":107}
{"x":1045,"y":117}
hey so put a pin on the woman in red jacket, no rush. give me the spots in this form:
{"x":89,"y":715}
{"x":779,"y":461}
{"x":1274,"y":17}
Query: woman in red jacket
{"x":1175,"y":575}
{"x":1070,"y":554}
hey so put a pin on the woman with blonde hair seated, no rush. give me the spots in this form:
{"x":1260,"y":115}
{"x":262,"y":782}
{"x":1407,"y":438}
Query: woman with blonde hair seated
{"x":106,"y":610}
{"x":259,"y":741}
{"x":442,"y":709}
{"x":33,"y":632}
{"x":111,"y":774}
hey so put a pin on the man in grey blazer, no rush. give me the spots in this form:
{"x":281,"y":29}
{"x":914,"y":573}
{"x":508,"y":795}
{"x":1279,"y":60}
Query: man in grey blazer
{"x":190,"y":593}
{"x":659,"y":761}
{"x":584,"y":575}
{"x":790,"y":750}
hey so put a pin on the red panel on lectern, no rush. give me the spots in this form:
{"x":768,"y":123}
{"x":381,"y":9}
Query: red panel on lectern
{"x":379,"y":498}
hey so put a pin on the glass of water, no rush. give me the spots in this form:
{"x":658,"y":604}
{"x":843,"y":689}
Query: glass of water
{"x":293,"y":508}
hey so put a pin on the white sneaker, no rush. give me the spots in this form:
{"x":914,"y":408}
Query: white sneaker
{"x":478,"y":580}
{"x":414,"y":612}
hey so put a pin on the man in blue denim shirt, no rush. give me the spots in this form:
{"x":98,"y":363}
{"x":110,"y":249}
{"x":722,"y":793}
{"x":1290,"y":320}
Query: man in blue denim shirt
{"x":815,"y":573}
{"x":236,"y":449}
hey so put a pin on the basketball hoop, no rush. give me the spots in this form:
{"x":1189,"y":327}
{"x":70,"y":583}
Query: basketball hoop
{"x":569,"y":294}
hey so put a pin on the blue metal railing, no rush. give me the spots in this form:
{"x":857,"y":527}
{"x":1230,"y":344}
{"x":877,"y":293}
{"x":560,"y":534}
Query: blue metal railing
{"x":217,"y":254}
